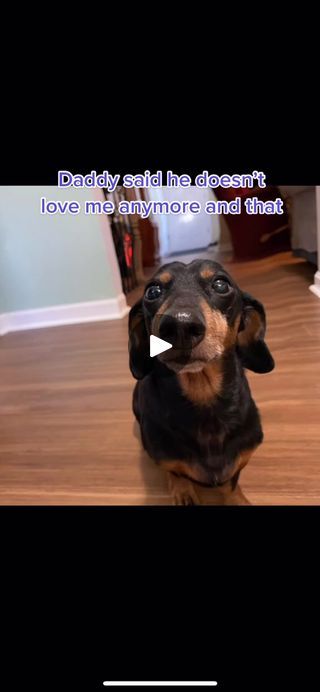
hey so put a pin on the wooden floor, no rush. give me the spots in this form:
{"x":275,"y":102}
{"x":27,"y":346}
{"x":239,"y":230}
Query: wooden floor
{"x":67,"y":433}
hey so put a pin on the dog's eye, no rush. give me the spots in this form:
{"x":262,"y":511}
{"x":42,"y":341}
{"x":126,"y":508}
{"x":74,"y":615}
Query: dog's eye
{"x":221,"y":286}
{"x":153,"y":292}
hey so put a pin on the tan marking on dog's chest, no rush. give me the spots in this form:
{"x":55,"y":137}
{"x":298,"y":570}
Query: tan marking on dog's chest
{"x":202,"y":387}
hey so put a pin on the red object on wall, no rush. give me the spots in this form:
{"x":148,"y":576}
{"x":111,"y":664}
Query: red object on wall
{"x":128,"y":250}
{"x":256,"y":235}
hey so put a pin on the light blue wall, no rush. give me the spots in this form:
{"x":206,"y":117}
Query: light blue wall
{"x":50,"y":260}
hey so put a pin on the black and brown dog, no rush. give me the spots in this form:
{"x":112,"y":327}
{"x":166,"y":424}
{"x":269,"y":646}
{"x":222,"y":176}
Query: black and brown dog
{"x":193,"y":402}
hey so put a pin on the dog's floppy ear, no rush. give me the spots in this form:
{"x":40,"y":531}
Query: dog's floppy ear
{"x":251,"y":347}
{"x":139,"y":359}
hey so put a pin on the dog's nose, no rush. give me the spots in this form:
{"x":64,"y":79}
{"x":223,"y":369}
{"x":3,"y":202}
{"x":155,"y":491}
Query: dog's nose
{"x":183,"y":329}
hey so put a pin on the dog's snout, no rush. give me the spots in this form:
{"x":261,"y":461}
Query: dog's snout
{"x":183,"y":329}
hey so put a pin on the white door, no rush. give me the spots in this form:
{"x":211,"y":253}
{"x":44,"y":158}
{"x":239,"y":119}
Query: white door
{"x":185,"y":232}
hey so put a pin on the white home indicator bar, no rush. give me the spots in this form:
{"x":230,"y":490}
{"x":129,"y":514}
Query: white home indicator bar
{"x":158,"y":683}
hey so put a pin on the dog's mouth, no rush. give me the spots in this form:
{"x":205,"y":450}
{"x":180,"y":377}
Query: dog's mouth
{"x":182,"y":361}
{"x":190,"y":366}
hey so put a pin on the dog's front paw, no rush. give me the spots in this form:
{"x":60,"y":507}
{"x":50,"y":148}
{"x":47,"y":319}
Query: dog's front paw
{"x":182,"y":491}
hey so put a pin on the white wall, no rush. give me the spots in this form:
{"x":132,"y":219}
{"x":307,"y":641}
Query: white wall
{"x":58,"y":260}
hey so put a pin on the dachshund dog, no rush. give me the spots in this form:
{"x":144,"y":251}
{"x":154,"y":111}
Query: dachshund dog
{"x":193,"y":402}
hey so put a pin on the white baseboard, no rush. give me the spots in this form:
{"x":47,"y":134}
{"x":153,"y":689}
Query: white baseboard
{"x":315,"y":288}
{"x":57,"y":315}
{"x":3,"y":329}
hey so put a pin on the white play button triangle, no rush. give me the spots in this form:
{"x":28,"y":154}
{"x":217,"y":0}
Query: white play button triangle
{"x":158,"y":346}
